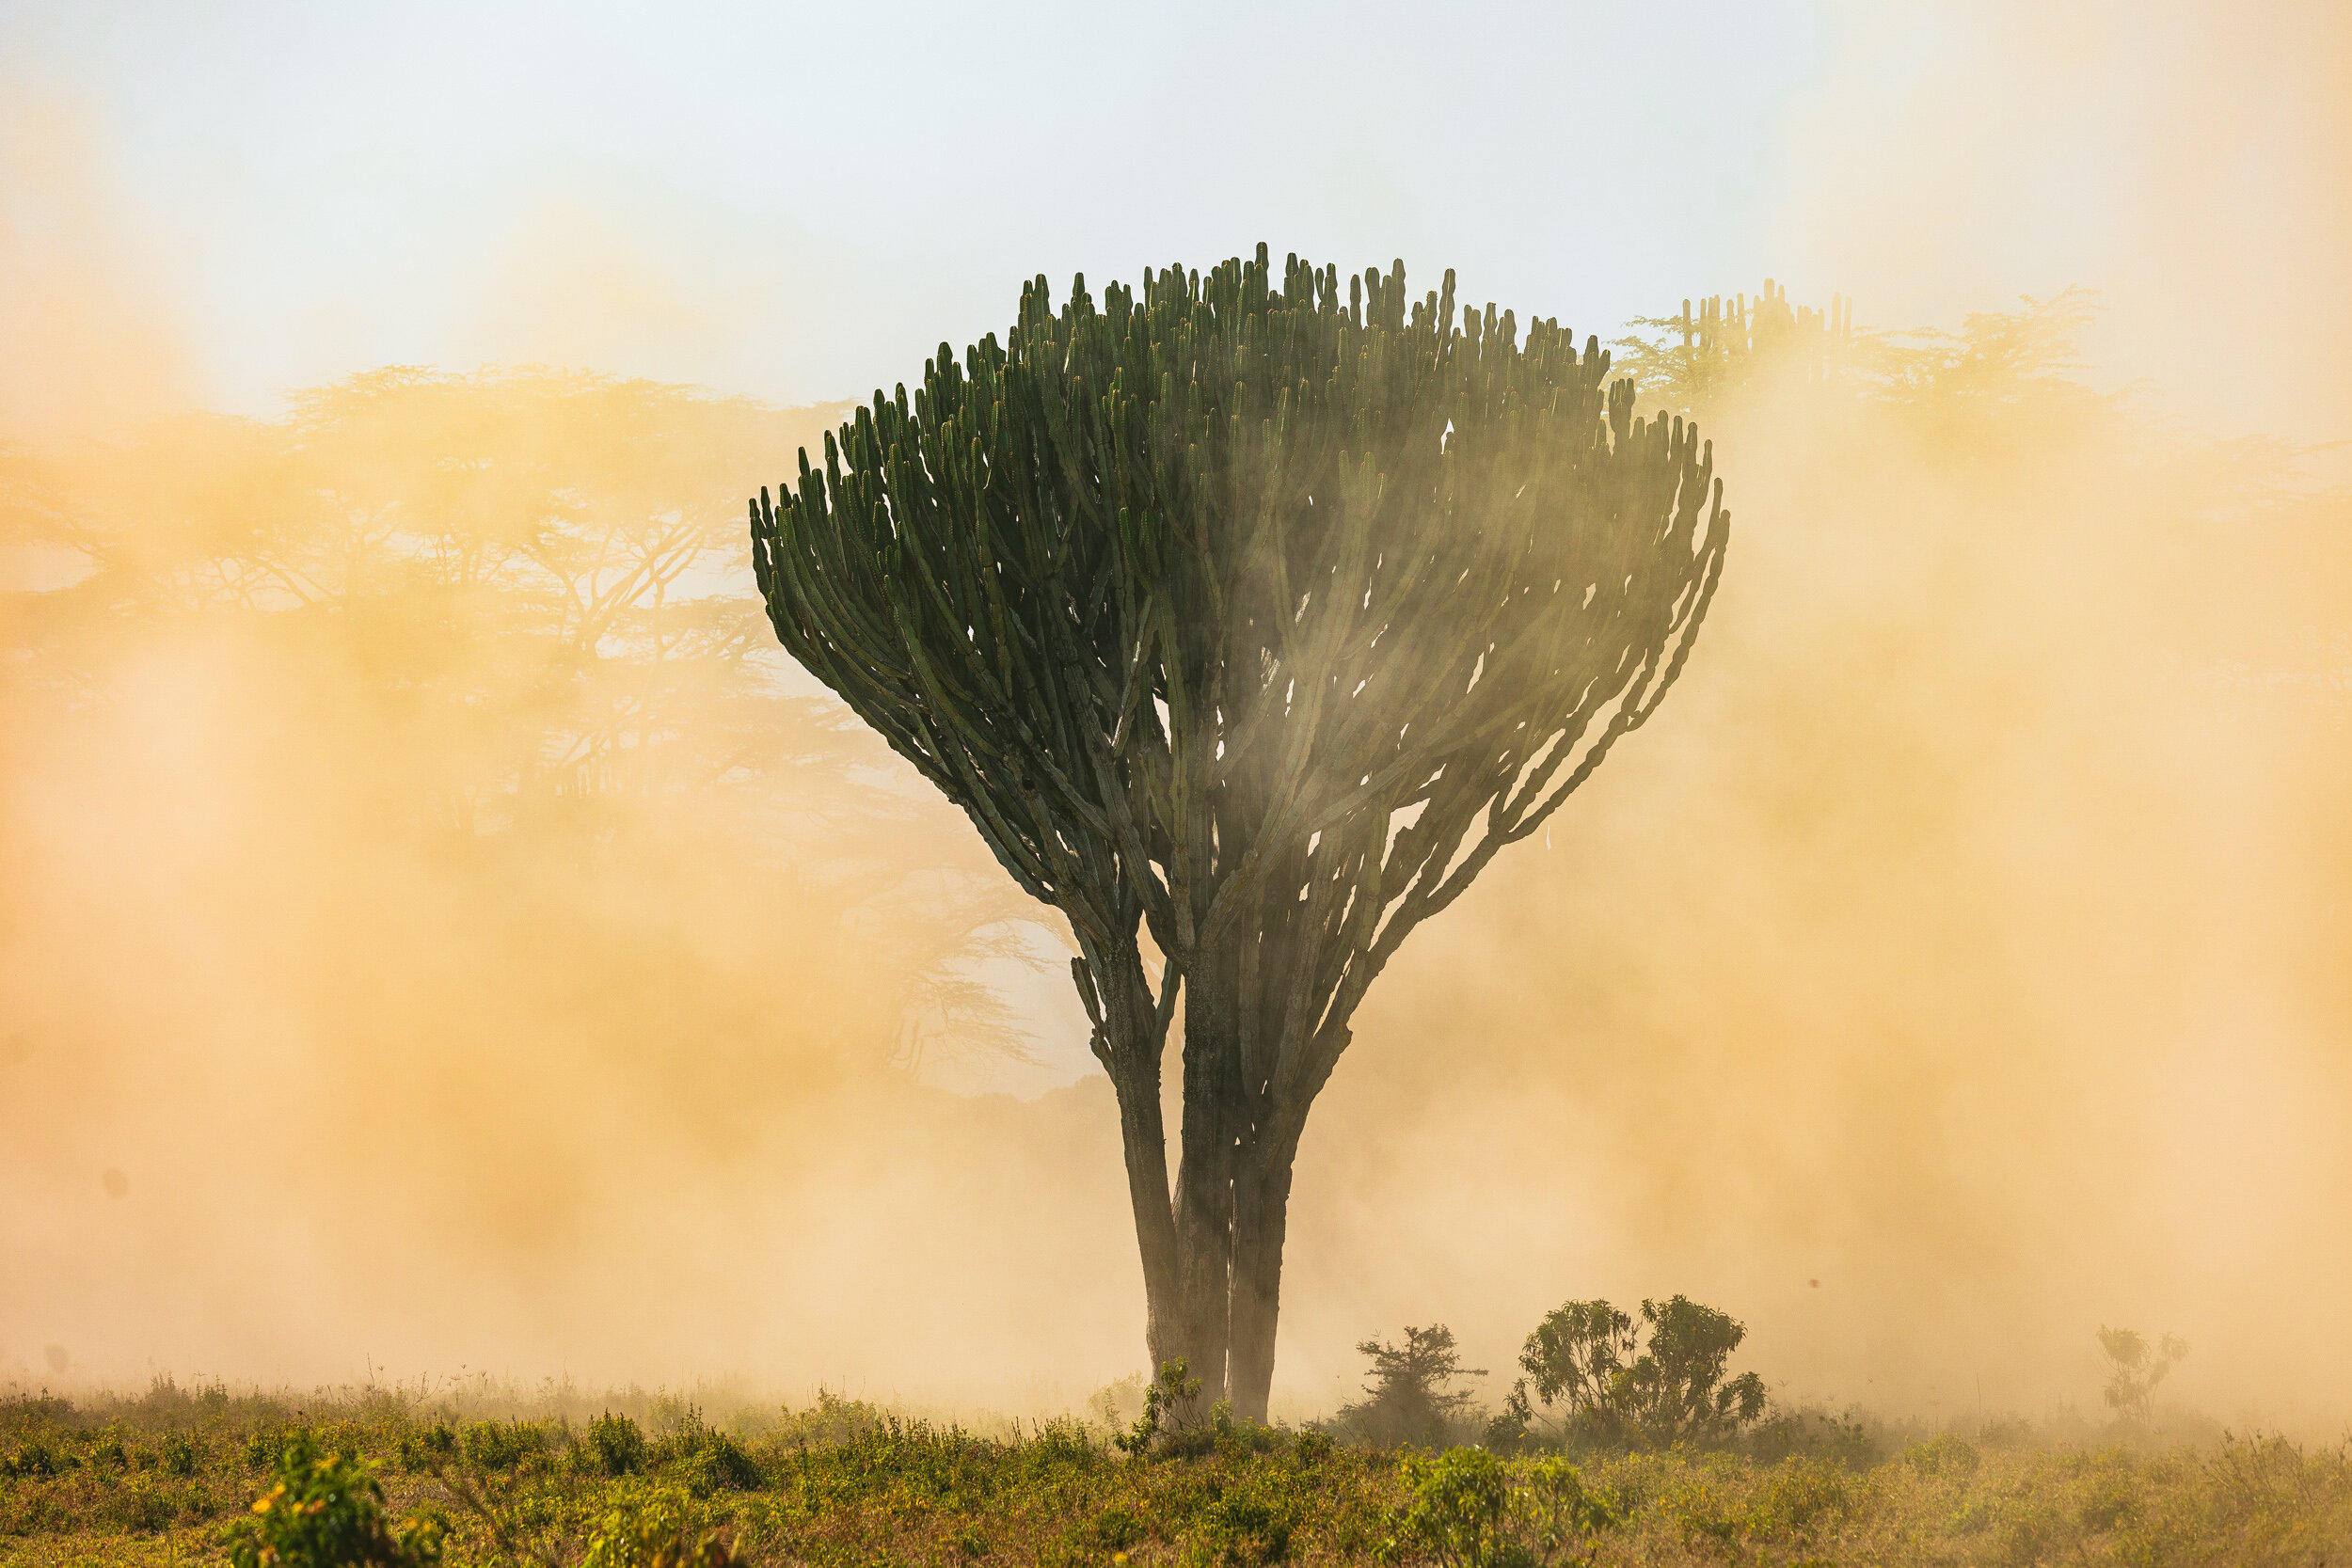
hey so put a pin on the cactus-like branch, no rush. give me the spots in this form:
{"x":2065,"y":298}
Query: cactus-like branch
{"x":1252,"y":609}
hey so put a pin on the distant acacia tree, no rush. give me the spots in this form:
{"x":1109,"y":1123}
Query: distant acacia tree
{"x":2135,"y":1367}
{"x":1410,"y":1398}
{"x":491,"y":613}
{"x":1247,"y":619}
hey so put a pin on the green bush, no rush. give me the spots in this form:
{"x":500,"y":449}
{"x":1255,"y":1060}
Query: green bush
{"x":657,"y":1527}
{"x":718,"y":1462}
{"x":502,"y":1445}
{"x":327,"y":1512}
{"x":708,"y":1459}
{"x":1247,"y":1526}
{"x":1555,"y":1504}
{"x":263,"y":1445}
{"x":1456,"y":1515}
{"x":1658,"y":1382}
{"x":1812,"y":1435}
{"x":1114,"y":1529}
{"x":1168,"y":1409}
{"x":1802,"y":1498}
{"x":35,"y":1456}
{"x":427,"y":1448}
{"x":1057,"y":1448}
{"x":141,"y":1506}
{"x":616,"y":1446}
{"x":1467,"y":1509}
{"x":1313,"y":1448}
{"x":178,"y":1454}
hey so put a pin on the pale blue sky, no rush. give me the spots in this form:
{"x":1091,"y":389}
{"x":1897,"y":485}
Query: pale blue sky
{"x":799,"y":200}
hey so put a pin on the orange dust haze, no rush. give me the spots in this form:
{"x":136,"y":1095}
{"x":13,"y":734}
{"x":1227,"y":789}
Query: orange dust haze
{"x":438,"y":930}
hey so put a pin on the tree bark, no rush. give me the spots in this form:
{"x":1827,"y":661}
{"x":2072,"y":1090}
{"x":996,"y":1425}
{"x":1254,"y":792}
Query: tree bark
{"x":1128,"y":1042}
{"x":1213,"y":1268}
{"x":1204,"y":1177}
{"x":1260,"y":1217}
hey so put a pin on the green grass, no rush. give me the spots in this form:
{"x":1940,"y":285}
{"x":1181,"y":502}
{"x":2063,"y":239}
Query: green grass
{"x":159,"y":1480}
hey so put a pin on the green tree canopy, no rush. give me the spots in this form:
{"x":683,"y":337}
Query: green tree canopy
{"x":1247,"y":617}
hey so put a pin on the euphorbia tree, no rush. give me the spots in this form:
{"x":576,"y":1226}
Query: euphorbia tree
{"x":1247,"y":620}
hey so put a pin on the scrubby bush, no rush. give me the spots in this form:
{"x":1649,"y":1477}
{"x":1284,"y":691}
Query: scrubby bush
{"x":1814,"y":1434}
{"x":327,"y":1512}
{"x":502,"y":1445}
{"x":178,"y":1454}
{"x":711,"y":1460}
{"x":657,"y":1528}
{"x":1949,"y":1456}
{"x":141,"y":1507}
{"x":1456,"y":1511}
{"x":1618,"y":1382}
{"x":35,"y":1456}
{"x":2135,"y":1367}
{"x":1467,"y":1509}
{"x":1246,"y":1527}
{"x":1409,"y":1398}
{"x":835,"y":1419}
{"x":1117,"y":1402}
{"x":1168,"y":1409}
{"x":616,"y":1445}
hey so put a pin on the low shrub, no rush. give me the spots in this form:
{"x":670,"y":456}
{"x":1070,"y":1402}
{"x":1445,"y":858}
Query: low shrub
{"x":616,"y":1446}
{"x":1467,"y":1509}
{"x":502,"y":1445}
{"x":1246,"y":1526}
{"x":1949,"y":1457}
{"x":327,"y":1512}
{"x":178,"y":1454}
{"x":36,"y":1456}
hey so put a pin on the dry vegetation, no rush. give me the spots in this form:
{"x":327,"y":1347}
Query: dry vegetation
{"x":567,"y":1479}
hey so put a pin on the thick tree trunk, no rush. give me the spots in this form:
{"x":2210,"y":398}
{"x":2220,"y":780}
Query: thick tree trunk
{"x":1128,"y":1042}
{"x":1204,"y":1176}
{"x":1261,"y":1215}
{"x":1145,"y":1145}
{"x":1212,"y":1247}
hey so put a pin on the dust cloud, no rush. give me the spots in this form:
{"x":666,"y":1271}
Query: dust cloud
{"x":85,"y":310}
{"x":437,"y":933}
{"x":1969,"y":933}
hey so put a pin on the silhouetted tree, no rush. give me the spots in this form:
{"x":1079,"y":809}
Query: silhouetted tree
{"x":1660,"y":1381}
{"x":2135,"y":1367}
{"x":1410,"y":1399}
{"x":1247,"y":620}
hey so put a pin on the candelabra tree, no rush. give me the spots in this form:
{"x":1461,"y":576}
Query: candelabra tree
{"x":1248,"y":618}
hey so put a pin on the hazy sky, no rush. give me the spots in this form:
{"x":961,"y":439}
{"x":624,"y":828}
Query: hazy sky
{"x":1994,"y":980}
{"x":218,"y":202}
{"x":798,"y":200}
{"x":801,"y":201}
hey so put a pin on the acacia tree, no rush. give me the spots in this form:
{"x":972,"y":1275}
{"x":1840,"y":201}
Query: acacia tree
{"x":1247,"y":620}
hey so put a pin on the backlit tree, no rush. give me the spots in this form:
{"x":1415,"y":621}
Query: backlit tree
{"x":1247,"y":619}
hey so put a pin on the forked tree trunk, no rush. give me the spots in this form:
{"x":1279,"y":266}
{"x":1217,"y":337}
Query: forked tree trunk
{"x":1215,"y":1302}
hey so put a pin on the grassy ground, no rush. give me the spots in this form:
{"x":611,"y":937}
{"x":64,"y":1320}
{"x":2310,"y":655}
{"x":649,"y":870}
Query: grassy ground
{"x":157,"y":1480}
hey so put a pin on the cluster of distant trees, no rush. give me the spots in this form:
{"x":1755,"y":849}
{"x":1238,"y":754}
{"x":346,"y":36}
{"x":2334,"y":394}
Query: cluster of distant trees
{"x":1592,"y":1375}
{"x":459,"y":703}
